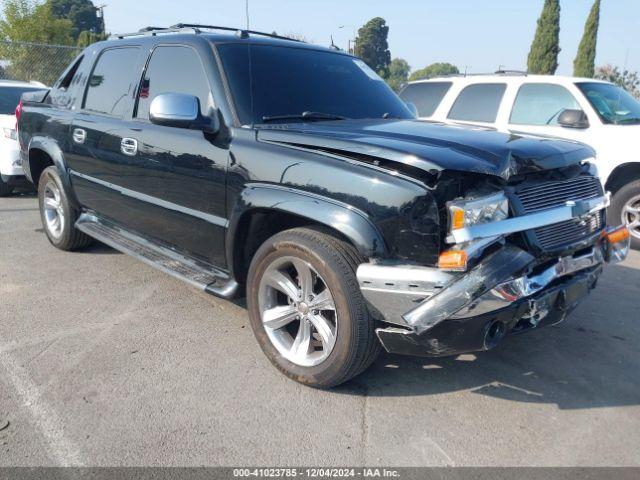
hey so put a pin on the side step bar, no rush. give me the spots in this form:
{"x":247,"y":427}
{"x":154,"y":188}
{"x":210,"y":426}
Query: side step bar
{"x":198,"y":274}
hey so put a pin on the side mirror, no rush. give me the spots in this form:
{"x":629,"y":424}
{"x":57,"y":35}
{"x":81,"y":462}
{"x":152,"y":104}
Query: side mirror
{"x":413,"y":109}
{"x":573,"y":119}
{"x":181,"y":111}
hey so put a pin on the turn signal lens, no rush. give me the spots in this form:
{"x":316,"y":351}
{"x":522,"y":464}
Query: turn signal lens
{"x":618,"y":235}
{"x":457,"y":218}
{"x":453,"y":260}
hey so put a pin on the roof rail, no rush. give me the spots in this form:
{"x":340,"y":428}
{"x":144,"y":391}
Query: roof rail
{"x":511,"y":72}
{"x":241,"y":32}
{"x":152,"y":31}
{"x":197,"y":28}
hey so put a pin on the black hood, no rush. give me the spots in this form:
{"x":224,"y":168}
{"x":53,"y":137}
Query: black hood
{"x":432,"y":147}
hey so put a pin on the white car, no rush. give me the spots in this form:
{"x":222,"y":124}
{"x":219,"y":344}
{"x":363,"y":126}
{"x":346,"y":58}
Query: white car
{"x":11,"y":173}
{"x":590,"y":111}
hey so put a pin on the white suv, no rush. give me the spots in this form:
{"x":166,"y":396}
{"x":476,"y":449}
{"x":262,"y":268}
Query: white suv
{"x":11,"y":173}
{"x":597,"y":113}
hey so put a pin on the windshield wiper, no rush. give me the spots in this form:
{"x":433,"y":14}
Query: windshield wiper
{"x":304,"y":116}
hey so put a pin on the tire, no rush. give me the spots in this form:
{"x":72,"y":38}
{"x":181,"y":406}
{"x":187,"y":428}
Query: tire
{"x":54,"y":203}
{"x":5,"y":188}
{"x":332,"y":263}
{"x":624,"y":202}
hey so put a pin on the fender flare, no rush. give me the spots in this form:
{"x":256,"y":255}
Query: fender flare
{"x":351,"y":222}
{"x":53,"y":150}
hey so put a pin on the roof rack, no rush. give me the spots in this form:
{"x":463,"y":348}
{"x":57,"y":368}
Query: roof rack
{"x":502,"y":71}
{"x":197,"y":29}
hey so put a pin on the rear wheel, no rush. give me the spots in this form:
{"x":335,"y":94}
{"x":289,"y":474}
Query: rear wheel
{"x":306,"y":309}
{"x":625,"y":209}
{"x":58,"y":216}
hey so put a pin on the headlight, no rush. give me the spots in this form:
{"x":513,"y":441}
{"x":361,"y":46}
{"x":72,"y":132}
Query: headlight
{"x":466,"y":213}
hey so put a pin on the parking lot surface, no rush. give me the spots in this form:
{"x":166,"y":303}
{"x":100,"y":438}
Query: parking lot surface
{"x":106,"y":361}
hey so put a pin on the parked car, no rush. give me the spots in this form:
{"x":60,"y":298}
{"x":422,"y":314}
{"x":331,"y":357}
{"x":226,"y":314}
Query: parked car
{"x":11,"y":173}
{"x":594,"y":112}
{"x":249,"y":164}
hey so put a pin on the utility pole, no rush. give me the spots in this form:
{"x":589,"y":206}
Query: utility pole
{"x":246,"y":5}
{"x":355,"y":38}
{"x":100,"y":13}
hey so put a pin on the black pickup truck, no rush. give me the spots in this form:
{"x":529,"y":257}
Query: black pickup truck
{"x":249,"y":164}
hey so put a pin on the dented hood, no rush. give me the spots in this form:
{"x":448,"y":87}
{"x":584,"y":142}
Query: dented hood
{"x":430,"y":146}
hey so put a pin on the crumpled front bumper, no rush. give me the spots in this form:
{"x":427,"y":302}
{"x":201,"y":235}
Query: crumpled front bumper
{"x":436,"y":313}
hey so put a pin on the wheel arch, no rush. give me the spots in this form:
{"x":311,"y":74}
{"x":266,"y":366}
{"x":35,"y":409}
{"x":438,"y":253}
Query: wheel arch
{"x":45,"y":152}
{"x":622,"y":175}
{"x":264,"y":210}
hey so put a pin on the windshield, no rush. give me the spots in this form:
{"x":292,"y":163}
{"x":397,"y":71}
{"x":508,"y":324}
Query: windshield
{"x":288,"y":82}
{"x":10,"y":98}
{"x":614,"y":104}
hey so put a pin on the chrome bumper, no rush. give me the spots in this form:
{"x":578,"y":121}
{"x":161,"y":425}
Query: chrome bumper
{"x":420,"y":297}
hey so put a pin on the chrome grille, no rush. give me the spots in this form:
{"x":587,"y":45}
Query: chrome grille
{"x":541,"y":196}
{"x":553,"y":194}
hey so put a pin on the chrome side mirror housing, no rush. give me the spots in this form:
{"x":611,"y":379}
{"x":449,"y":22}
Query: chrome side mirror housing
{"x":180,"y":110}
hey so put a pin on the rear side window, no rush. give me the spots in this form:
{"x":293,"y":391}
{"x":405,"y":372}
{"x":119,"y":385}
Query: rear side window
{"x":478,"y":103}
{"x":541,"y":104}
{"x":173,"y":69}
{"x":110,"y":81}
{"x":425,"y":96}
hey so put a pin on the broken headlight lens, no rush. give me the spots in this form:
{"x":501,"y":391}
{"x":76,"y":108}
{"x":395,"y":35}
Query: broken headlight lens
{"x":466,"y":213}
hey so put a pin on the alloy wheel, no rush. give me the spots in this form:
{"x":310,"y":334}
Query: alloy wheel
{"x":53,"y":210}
{"x":298,"y":311}
{"x":631,"y":215}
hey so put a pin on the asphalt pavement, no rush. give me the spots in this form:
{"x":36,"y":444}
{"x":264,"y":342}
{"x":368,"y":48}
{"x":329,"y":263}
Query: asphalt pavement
{"x":105,"y":361}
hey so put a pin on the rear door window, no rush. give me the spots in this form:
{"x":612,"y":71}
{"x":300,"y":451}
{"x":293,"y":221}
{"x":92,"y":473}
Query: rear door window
{"x":173,"y":69}
{"x":425,"y":96}
{"x":541,"y":104}
{"x":478,"y":103}
{"x":110,"y":81}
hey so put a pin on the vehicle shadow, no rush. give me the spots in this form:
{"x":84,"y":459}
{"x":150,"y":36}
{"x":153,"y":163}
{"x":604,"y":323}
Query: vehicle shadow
{"x":24,"y":192}
{"x":591,"y":360}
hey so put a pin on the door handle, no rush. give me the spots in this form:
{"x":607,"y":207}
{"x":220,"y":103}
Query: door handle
{"x":129,"y":146}
{"x":79,"y":135}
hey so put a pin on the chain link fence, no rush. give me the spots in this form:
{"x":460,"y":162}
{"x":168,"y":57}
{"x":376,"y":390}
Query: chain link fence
{"x":34,"y":62}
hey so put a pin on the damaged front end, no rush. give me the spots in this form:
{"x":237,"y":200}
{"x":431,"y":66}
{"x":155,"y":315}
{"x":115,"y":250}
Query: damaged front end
{"x":514,"y":274}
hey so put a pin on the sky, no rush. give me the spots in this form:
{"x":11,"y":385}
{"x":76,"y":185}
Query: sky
{"x":479,"y":35}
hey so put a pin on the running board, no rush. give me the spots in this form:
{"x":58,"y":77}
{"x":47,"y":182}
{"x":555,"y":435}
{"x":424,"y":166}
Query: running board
{"x":200,"y":275}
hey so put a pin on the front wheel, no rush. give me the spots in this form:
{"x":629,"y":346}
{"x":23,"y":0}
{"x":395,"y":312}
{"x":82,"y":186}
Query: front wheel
{"x":625,"y":209}
{"x":306,"y":309}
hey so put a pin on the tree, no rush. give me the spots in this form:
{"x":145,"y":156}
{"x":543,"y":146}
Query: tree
{"x":398,"y":73}
{"x":434,"y":70}
{"x":630,"y":81}
{"x":372,"y":45}
{"x":543,"y":56}
{"x":28,"y":21}
{"x":86,"y":38}
{"x":82,"y":13}
{"x":584,"y":64}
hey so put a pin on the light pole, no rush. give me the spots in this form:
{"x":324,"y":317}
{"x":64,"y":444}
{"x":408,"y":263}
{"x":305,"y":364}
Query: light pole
{"x":355,"y":37}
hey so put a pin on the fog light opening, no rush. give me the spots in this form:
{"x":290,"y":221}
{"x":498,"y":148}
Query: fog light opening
{"x":495,"y":332}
